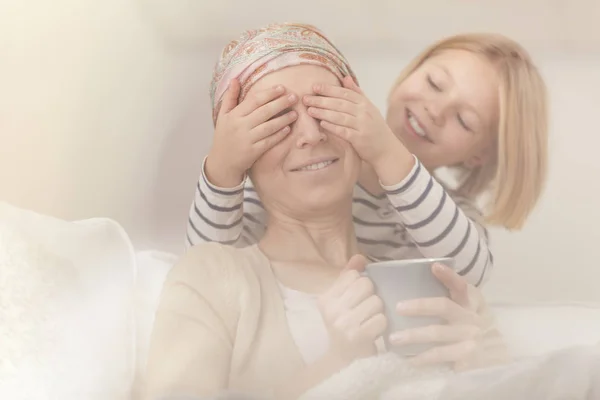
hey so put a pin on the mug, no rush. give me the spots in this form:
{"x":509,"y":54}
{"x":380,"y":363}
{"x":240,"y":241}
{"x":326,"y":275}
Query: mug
{"x":399,"y":280}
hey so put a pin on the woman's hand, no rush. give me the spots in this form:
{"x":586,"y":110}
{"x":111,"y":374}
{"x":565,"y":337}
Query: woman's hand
{"x":353,"y":313}
{"x":245,"y":131}
{"x":348,"y":113}
{"x":469,"y":340}
{"x":354,"y":319}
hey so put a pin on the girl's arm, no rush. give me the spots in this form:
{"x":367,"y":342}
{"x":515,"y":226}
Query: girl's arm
{"x":232,"y":216}
{"x":438,"y":226}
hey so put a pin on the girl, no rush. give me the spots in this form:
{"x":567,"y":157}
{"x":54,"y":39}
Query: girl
{"x":474,"y":103}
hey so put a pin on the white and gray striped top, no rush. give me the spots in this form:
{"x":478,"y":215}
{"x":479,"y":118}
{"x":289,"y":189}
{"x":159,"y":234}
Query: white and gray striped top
{"x":415,"y":218}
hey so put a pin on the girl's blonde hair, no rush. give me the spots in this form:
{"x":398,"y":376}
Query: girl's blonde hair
{"x":517,"y":172}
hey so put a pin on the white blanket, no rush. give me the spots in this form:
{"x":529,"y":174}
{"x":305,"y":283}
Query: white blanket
{"x":382,"y":377}
{"x":572,"y":373}
{"x":67,"y":327}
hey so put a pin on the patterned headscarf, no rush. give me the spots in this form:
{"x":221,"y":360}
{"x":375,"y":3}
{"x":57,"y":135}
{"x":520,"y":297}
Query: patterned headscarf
{"x":261,"y":51}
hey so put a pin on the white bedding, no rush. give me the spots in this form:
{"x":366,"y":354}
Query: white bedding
{"x":104,"y":334}
{"x":572,"y":373}
{"x":84,"y":345}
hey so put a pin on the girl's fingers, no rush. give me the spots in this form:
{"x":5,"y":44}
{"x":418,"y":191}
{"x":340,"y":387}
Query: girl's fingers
{"x":272,"y":126}
{"x":331,"y":103}
{"x":349,"y":83}
{"x":340,"y":131}
{"x":259,"y":99}
{"x":270,"y":141}
{"x":230,"y":97}
{"x":272,"y":109}
{"x":338,"y":92}
{"x":335,"y":117}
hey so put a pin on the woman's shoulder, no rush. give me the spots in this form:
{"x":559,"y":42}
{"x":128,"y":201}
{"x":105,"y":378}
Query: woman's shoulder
{"x":213,"y":251}
{"x":214,"y":263}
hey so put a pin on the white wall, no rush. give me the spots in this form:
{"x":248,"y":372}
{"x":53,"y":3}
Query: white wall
{"x":104,"y":114}
{"x":90,"y":106}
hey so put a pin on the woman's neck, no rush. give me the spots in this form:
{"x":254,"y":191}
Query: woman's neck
{"x":328,"y":240}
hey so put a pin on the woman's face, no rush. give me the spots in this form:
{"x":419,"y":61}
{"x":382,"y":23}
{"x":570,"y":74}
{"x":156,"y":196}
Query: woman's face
{"x":446,"y":111}
{"x":311,"y":170}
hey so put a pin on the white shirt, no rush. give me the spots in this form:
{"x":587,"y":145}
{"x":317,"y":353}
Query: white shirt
{"x":307,"y":326}
{"x":306,"y":323}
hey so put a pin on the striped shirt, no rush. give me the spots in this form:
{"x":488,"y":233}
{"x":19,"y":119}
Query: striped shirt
{"x":413,"y":219}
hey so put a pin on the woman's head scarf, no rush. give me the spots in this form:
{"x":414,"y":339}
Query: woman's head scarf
{"x":262,"y":51}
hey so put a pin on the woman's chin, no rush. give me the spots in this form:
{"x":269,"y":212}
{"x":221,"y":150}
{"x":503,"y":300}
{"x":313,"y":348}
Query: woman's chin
{"x":324,"y":200}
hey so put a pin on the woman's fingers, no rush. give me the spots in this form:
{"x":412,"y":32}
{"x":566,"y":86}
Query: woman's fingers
{"x":473,"y":351}
{"x":446,"y":354}
{"x":339,"y":287}
{"x":357,"y":262}
{"x":491,"y":351}
{"x":441,"y":307}
{"x":435,"y":334}
{"x":361,"y":289}
{"x":456,"y":284}
{"x":365,"y":310}
{"x":350,"y":274}
{"x":374,"y":327}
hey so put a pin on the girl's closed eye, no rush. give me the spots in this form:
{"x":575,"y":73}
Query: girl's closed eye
{"x":434,"y":85}
{"x":462,"y":122}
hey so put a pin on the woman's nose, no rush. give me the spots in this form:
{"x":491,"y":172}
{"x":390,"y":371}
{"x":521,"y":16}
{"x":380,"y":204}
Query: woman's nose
{"x":308,"y":130}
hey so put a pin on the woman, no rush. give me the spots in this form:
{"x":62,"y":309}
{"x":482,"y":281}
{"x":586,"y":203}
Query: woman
{"x":280,"y":316}
{"x":473,"y":103}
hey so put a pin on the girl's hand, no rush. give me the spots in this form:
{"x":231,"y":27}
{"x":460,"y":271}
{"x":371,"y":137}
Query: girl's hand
{"x":469,"y":340}
{"x":245,"y":131}
{"x":348,"y":113}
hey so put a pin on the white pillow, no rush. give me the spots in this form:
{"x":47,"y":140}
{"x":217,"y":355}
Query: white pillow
{"x":66,"y":307}
{"x":534,"y":329}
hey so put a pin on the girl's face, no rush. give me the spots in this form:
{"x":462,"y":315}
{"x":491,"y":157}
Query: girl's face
{"x":446,"y":111}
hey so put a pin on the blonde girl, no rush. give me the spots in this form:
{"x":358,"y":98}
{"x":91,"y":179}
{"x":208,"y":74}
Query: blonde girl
{"x":473,"y":103}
